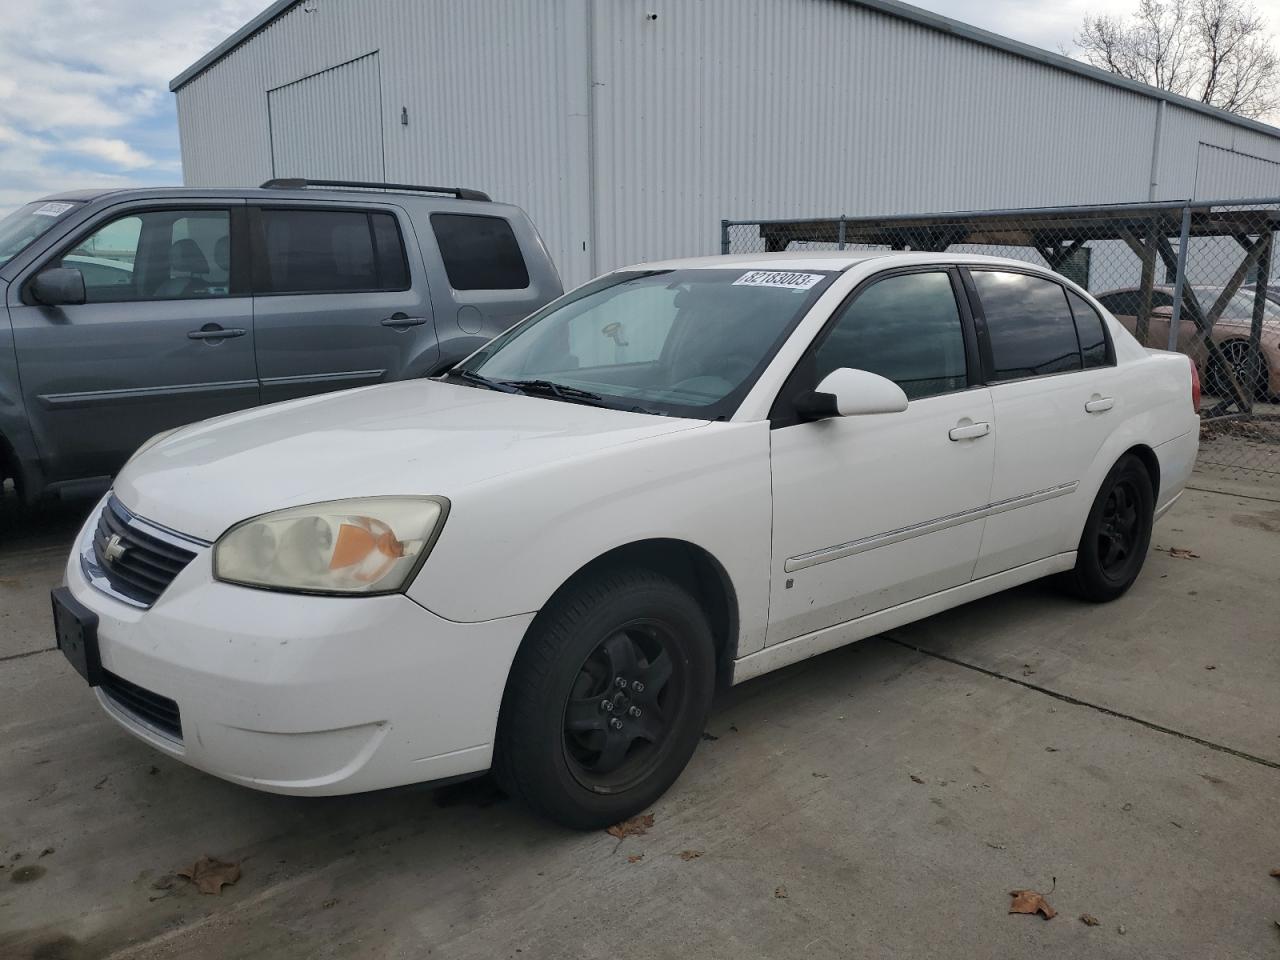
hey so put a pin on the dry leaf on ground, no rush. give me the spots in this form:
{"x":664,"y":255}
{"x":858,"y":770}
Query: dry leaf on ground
{"x":916,"y":779}
{"x":1182,"y":553}
{"x":633,"y":827}
{"x":635,"y":858}
{"x":1028,"y":901}
{"x":690,"y":854}
{"x":209,"y":875}
{"x":780,"y":893}
{"x":1276,"y":873}
{"x":1089,"y":920}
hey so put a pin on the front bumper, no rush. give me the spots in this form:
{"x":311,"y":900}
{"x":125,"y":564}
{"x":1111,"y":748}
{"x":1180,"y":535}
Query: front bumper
{"x":305,"y":695}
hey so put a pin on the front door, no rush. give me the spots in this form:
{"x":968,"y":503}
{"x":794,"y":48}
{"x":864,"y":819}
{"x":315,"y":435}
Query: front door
{"x":874,"y":511}
{"x":164,"y":337}
{"x":336,"y":303}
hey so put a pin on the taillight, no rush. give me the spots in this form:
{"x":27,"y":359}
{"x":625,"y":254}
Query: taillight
{"x":1195,"y":386}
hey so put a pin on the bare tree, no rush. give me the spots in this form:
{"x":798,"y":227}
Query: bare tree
{"x":1215,"y":51}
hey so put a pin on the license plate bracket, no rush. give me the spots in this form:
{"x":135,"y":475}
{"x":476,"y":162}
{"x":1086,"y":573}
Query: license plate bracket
{"x":76,"y":629}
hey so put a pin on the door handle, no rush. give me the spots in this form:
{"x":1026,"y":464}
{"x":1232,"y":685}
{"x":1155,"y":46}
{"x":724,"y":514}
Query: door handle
{"x":970,"y":431}
{"x":402,"y":321}
{"x":211,"y":331}
{"x":1099,"y":405}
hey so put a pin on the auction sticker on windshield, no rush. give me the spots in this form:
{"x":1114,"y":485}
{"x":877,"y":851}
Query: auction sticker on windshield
{"x":53,"y":209}
{"x":777,"y":278}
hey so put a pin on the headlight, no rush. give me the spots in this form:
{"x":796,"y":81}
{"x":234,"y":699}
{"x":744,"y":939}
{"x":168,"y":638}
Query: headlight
{"x":346,"y":546}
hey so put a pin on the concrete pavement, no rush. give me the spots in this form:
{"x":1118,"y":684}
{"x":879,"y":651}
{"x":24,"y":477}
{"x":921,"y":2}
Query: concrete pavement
{"x":881,"y":800}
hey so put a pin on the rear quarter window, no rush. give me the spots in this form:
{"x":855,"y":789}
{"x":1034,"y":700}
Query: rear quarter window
{"x":479,"y":252}
{"x":1089,"y":328}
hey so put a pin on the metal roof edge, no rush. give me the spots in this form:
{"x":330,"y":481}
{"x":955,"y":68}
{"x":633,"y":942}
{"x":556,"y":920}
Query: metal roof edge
{"x":892,"y":8}
{"x":262,"y":20}
{"x":936,"y":21}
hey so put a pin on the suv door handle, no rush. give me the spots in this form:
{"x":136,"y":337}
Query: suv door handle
{"x":211,"y":331}
{"x":402,"y":321}
{"x":970,"y":431}
{"x":1099,"y":405}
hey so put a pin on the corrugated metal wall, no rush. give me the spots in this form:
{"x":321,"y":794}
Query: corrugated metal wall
{"x":628,"y":136}
{"x":329,"y":125}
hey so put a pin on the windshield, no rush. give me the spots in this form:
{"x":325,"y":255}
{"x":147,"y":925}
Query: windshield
{"x":19,"y":228}
{"x":678,"y":342}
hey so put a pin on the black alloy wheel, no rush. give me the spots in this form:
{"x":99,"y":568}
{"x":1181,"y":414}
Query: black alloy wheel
{"x":606,"y":699}
{"x":616,"y":718}
{"x":1117,"y":533}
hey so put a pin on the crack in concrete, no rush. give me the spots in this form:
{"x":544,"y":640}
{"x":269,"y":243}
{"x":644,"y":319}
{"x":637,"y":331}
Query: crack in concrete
{"x":1076,"y":701}
{"x":28,"y":653}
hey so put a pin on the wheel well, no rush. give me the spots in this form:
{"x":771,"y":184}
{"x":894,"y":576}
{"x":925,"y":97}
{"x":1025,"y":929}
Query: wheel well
{"x":10,"y":469}
{"x":1152,"y":463}
{"x":693,"y":568}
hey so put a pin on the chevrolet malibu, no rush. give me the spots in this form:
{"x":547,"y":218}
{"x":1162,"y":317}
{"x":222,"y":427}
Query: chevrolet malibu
{"x":678,"y":476}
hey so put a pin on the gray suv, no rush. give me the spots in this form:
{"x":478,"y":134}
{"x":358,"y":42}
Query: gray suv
{"x":128,"y":312}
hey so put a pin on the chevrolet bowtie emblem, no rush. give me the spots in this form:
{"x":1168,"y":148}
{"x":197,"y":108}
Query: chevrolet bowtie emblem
{"x":114,"y":550}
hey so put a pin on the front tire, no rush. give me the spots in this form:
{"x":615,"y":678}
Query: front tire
{"x":1117,"y":534}
{"x":606,"y":699}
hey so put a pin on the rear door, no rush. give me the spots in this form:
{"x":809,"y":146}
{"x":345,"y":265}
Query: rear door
{"x":490,"y":283}
{"x":1055,"y":387}
{"x":164,"y":338}
{"x":338,"y":300}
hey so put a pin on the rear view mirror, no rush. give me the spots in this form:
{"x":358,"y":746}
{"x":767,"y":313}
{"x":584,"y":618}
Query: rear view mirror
{"x":58,"y":286}
{"x":846,"y":392}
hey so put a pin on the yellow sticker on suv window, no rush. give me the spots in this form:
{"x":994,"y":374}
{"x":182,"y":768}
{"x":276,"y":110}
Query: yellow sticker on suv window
{"x":778,"y":278}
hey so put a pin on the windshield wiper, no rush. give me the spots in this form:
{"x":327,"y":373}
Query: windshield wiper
{"x":557,"y":390}
{"x":480,"y":381}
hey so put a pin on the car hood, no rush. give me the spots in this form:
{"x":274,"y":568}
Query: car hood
{"x":416,"y":437}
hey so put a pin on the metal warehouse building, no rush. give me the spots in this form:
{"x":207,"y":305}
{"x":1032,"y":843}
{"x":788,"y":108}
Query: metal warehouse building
{"x":629,"y":128}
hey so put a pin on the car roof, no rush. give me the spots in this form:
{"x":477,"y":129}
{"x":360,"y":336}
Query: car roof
{"x":838,"y":260}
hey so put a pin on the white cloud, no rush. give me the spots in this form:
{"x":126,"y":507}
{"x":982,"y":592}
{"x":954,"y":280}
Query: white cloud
{"x":113,"y":151}
{"x":84,"y":98}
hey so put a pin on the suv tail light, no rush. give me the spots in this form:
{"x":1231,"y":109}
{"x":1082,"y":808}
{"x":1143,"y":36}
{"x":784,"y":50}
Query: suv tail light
{"x":1195,"y":386}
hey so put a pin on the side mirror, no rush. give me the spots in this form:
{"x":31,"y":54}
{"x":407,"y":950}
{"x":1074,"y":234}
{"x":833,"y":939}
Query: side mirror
{"x":58,"y":286}
{"x":846,"y":392}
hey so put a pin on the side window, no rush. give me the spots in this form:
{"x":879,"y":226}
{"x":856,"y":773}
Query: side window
{"x":479,"y":253}
{"x":1029,"y":325}
{"x":1089,"y":329}
{"x":156,"y":255}
{"x":906,"y":328}
{"x":332,"y":251}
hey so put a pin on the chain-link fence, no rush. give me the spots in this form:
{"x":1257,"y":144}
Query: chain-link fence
{"x":1202,"y":278}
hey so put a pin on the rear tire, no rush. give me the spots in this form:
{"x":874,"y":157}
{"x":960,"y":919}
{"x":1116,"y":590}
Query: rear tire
{"x":1116,"y":535}
{"x":606,"y":699}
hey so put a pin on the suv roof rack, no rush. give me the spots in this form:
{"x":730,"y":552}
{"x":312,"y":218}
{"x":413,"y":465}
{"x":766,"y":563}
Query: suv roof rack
{"x":298,"y":183}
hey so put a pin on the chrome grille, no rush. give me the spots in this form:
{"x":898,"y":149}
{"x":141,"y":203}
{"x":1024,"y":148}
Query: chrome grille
{"x":137,"y":565}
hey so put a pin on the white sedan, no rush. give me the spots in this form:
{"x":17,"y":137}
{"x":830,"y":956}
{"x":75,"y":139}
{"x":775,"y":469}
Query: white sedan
{"x":679,"y":475}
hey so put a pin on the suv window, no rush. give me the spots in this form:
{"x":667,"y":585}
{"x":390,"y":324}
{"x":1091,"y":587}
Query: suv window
{"x":1029,"y":325}
{"x":479,"y":253}
{"x":906,"y":328}
{"x":156,"y":255}
{"x":332,"y":251}
{"x":1089,"y":329}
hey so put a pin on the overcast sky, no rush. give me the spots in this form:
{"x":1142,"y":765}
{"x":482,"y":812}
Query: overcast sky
{"x":84,"y":88}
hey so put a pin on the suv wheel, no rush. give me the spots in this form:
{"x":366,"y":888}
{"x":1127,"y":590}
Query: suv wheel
{"x":606,"y":699}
